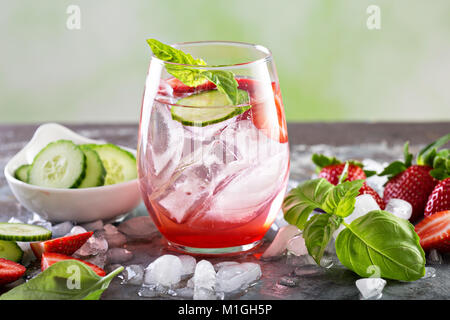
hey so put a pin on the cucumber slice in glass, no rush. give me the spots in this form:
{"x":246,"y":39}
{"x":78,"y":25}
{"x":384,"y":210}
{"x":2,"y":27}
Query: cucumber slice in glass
{"x":23,"y":232}
{"x":22,"y":172}
{"x":95,"y":171}
{"x":207,"y":108}
{"x":61,"y":164}
{"x":10,"y":250}
{"x":120,"y":164}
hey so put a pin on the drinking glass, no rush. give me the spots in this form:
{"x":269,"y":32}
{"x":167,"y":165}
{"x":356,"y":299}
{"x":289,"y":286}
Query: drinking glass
{"x":213,"y":175}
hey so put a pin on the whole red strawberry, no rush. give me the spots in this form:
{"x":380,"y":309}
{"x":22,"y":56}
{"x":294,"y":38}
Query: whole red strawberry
{"x":439,"y":199}
{"x":333,"y":172}
{"x":331,"y":169}
{"x":414,"y":183}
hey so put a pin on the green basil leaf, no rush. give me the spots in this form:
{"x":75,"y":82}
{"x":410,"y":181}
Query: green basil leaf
{"x":318,"y":232}
{"x":192,"y":77}
{"x":225,"y":83}
{"x":381,"y":240}
{"x":341,"y":199}
{"x":53,"y":283}
{"x":303,"y":199}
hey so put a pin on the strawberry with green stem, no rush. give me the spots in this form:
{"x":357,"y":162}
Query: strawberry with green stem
{"x":439,"y":199}
{"x":335,"y":172}
{"x":414,"y":182}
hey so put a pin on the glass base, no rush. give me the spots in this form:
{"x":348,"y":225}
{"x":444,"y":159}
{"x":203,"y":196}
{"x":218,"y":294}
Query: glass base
{"x":215,"y":251}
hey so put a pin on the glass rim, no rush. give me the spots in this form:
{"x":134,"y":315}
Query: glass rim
{"x":267,"y":54}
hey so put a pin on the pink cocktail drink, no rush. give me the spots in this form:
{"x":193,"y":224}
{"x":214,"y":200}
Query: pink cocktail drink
{"x":216,"y":186}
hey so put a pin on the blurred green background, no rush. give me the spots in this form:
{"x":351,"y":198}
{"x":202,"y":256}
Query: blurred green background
{"x":330,"y":66}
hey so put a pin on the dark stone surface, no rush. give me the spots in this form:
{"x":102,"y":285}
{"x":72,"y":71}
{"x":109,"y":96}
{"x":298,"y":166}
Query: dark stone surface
{"x":334,"y":283}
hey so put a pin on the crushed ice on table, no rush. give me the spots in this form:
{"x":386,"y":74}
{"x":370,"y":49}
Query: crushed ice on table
{"x":297,"y":246}
{"x":430,"y":272}
{"x":133,"y":275}
{"x":237,"y":277}
{"x":278,"y":245}
{"x":95,"y":245}
{"x":188,"y":265}
{"x":302,"y":168}
{"x":138,"y":227}
{"x":28,"y":255}
{"x":370,"y":288}
{"x":399,"y":208}
{"x":434,"y":257}
{"x":118,"y":255}
{"x":219,"y":265}
{"x":61,"y":229}
{"x":204,"y":281}
{"x":93,"y":226}
{"x":165,"y":270}
{"x":113,"y":236}
{"x":166,"y":277}
{"x":77,"y":230}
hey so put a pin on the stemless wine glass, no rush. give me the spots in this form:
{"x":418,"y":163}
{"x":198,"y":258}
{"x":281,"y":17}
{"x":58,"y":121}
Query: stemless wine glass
{"x":213,"y":175}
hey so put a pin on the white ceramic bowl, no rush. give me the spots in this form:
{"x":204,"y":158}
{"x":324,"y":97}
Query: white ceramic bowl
{"x":78,"y":205}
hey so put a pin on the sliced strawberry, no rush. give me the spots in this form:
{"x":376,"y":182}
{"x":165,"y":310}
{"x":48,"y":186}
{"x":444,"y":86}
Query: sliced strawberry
{"x":434,"y":231}
{"x":180,"y":89}
{"x":365,"y":189}
{"x":267,"y":114}
{"x":65,"y":245}
{"x":439,"y":199}
{"x":49,"y":258}
{"x":10,"y":271}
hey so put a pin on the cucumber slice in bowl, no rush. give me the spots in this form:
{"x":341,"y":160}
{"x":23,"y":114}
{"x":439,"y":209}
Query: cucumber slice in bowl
{"x":10,"y":250}
{"x":61,"y":164}
{"x":120,"y":164}
{"x":23,"y":232}
{"x":207,"y":108}
{"x":95,"y":171}
{"x":21,"y":172}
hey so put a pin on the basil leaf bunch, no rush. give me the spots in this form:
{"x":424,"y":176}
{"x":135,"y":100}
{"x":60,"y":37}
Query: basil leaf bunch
{"x":224,"y":80}
{"x":64,"y":280}
{"x":376,"y":240}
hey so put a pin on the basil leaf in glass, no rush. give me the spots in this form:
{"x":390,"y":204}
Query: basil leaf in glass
{"x":64,"y":280}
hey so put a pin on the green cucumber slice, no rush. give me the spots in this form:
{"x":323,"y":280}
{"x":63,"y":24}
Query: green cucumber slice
{"x":95,"y":171}
{"x":23,"y":232}
{"x":207,"y":109}
{"x":22,"y":172}
{"x":120,"y":164}
{"x":10,"y":250}
{"x":61,"y":164}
